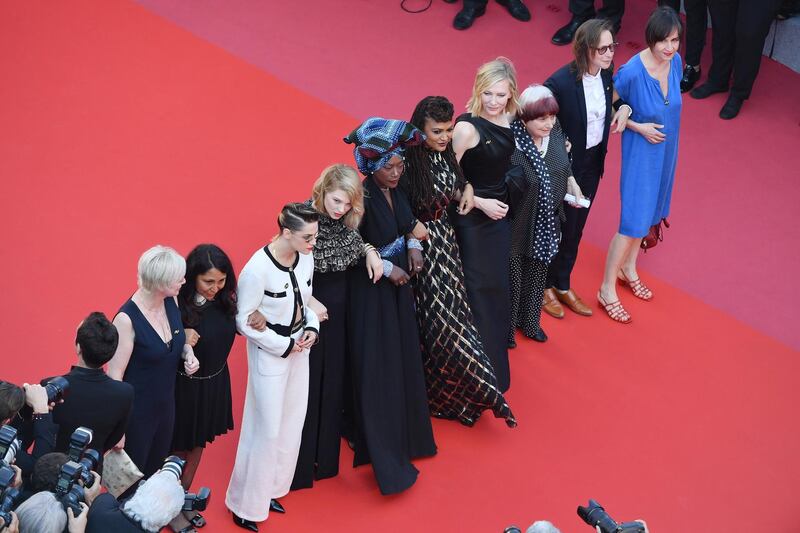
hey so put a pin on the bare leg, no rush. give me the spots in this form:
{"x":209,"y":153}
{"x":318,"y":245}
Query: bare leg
{"x":629,"y":263}
{"x":619,"y":250}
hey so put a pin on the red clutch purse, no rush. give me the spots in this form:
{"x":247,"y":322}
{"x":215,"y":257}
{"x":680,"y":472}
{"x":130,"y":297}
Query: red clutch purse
{"x":655,"y":235}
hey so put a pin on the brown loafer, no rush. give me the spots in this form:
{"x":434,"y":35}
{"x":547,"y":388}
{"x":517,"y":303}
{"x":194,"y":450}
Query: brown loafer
{"x":573,"y":301}
{"x":550,"y":304}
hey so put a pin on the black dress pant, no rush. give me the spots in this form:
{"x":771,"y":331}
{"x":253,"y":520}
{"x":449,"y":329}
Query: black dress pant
{"x":740,"y":28}
{"x":475,"y":3}
{"x":611,"y":10}
{"x":588,"y":179}
{"x":696,"y":27}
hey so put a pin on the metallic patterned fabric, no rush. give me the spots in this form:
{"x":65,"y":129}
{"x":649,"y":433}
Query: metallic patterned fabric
{"x":338,"y":247}
{"x":460,"y":379}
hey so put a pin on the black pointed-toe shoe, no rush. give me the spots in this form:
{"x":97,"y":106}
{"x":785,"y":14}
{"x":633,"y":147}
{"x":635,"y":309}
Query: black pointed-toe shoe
{"x":540,"y":336}
{"x":275,"y":506}
{"x":467,"y":16}
{"x":706,"y":90}
{"x":565,"y":34}
{"x":731,"y":107}
{"x":249,"y":525}
{"x":517,"y":9}
{"x":690,"y":77}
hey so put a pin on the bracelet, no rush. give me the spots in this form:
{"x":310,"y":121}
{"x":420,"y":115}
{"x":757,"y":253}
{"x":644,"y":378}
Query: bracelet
{"x":630,"y":109}
{"x":387,"y":267}
{"x":413,"y":244}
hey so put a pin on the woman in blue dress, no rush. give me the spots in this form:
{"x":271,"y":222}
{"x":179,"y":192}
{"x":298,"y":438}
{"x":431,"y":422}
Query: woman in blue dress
{"x":650,"y":84}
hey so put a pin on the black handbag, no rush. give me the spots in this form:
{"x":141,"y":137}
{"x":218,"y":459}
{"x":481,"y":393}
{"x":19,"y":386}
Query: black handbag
{"x":517,"y":185}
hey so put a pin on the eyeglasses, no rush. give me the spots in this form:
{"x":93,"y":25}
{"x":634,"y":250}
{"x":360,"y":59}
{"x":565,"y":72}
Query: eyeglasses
{"x":308,"y":238}
{"x":603,"y":49}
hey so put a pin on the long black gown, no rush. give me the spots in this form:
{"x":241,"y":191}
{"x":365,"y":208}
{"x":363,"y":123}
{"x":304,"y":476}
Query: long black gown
{"x":392,"y":424}
{"x":460,"y":378}
{"x":338,"y":248}
{"x":485,"y":243}
{"x":203,"y":400}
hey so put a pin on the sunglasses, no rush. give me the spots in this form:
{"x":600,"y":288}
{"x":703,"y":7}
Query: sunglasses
{"x":603,"y":49}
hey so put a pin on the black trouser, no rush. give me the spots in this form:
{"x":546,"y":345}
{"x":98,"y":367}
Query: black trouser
{"x":611,"y":10}
{"x":572,"y":228}
{"x":475,"y":3}
{"x":696,"y":27}
{"x":740,"y":28}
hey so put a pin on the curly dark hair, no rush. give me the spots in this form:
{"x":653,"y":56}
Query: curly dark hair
{"x":418,"y":180}
{"x":200,"y":260}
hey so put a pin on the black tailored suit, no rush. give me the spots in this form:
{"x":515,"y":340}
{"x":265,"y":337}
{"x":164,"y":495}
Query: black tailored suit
{"x":611,"y":10}
{"x":696,"y":27}
{"x":97,"y":402}
{"x":105,"y":515}
{"x":587,"y":166}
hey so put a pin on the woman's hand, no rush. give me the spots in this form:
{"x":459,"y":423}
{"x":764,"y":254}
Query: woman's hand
{"x":374,"y":265}
{"x":415,"y":261}
{"x":420,"y":232}
{"x":398,"y":276}
{"x":77,"y":524}
{"x":620,"y":120}
{"x":191,"y":337}
{"x":574,"y":189}
{"x":467,"y":201}
{"x":190,"y":362}
{"x":307,"y":340}
{"x":257,"y":321}
{"x":649,"y":130}
{"x":319,"y":309}
{"x":120,"y":445}
{"x":494,"y":209}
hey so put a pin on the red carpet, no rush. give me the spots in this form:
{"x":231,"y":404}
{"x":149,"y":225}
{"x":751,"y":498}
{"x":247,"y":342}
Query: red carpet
{"x":120,"y":130}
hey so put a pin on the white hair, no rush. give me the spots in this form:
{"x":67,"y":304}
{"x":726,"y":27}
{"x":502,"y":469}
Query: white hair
{"x":160,"y":266}
{"x":533,"y":94}
{"x":42,"y":513}
{"x":542,"y":526}
{"x":156,"y":502}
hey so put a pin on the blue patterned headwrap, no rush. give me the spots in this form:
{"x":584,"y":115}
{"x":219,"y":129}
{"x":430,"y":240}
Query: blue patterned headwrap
{"x":378,"y":139}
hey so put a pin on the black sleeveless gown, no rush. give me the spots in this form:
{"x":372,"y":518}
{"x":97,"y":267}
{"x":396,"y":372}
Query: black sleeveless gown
{"x":485,"y":243}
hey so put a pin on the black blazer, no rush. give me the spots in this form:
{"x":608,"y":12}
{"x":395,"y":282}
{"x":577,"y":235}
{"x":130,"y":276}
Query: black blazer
{"x":568,"y":90}
{"x":97,"y":402}
{"x":105,"y":515}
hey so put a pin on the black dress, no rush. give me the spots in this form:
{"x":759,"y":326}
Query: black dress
{"x":392,"y":424}
{"x":337,"y":248}
{"x":203,"y":401}
{"x":151,"y":370}
{"x":485,"y":243}
{"x":460,"y":378}
{"x":528,"y":275}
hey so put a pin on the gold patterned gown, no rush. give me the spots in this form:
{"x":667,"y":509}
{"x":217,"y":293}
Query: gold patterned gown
{"x":459,"y":376}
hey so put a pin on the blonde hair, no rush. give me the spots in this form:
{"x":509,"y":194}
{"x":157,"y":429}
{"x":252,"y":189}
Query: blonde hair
{"x":495,"y":71}
{"x":159,"y":266}
{"x":345,"y":178}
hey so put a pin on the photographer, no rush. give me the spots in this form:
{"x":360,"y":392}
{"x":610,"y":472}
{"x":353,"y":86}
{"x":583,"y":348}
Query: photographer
{"x":43,"y":513}
{"x":34,"y":423}
{"x":95,"y":400}
{"x":156,"y":502}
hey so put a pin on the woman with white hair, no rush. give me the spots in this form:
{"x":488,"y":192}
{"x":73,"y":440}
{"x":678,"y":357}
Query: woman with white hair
{"x":43,"y":513}
{"x":152,"y":348}
{"x":536,"y":227}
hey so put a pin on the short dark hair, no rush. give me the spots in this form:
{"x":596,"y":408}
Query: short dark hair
{"x":12,"y":399}
{"x":296,"y":215}
{"x":46,"y":471}
{"x":663,"y":21}
{"x":538,"y":108}
{"x":98,"y":339}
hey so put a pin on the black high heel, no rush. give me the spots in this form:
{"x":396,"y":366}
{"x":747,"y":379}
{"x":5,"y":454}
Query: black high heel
{"x":275,"y":505}
{"x":244,"y":524}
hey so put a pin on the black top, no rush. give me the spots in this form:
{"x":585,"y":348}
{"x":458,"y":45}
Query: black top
{"x":105,"y":515}
{"x":486,"y":164}
{"x":97,"y":402}
{"x":567,"y":87}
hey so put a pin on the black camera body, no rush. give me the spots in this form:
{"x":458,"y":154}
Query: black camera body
{"x":594,"y":515}
{"x":88,"y":458}
{"x":191,"y":501}
{"x":9,"y":445}
{"x":9,"y":496}
{"x":68,"y":491}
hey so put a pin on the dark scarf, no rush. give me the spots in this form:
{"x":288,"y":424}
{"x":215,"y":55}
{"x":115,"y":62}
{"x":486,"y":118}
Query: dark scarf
{"x":545,"y":240}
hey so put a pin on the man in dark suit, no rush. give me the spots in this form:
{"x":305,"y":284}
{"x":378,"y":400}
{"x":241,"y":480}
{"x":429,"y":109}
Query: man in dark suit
{"x":583,"y":10}
{"x":95,"y":400}
{"x":584,"y":91}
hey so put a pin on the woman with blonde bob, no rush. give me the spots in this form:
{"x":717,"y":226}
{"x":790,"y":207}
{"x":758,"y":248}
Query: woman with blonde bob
{"x":152,"y":343}
{"x":483,"y":144}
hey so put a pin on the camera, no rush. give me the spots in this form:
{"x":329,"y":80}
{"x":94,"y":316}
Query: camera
{"x":191,"y":501}
{"x":9,"y":445}
{"x":57,"y":389}
{"x":9,"y":496}
{"x":68,"y":490}
{"x":88,"y":458}
{"x":594,"y":515}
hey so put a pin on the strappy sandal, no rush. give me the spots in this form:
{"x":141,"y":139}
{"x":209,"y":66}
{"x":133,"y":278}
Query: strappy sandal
{"x":197,"y":520}
{"x":639,"y":289}
{"x":615,"y":311}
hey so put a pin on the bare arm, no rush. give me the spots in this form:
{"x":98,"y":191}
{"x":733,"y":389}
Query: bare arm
{"x":118,"y":363}
{"x":465,"y":136}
